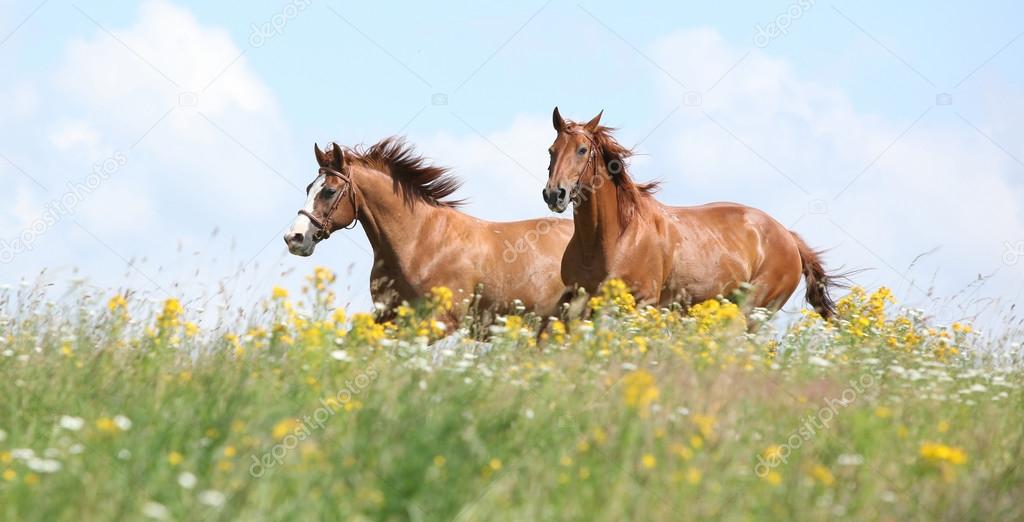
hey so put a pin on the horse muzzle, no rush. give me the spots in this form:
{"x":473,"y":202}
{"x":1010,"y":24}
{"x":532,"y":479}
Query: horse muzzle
{"x":557,"y":198}
{"x":303,"y":237}
{"x":299,"y":244}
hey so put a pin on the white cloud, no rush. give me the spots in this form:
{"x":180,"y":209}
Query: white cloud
{"x":168,"y":52}
{"x":24,"y":209}
{"x":75,"y":134}
{"x":503,"y":173}
{"x":22,"y":99}
{"x":941,"y":184}
{"x":197,"y":128}
{"x":209,"y":127}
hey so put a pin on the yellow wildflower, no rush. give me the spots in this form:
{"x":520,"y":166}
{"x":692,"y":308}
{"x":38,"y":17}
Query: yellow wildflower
{"x":613,"y":293}
{"x":441,"y":298}
{"x":558,"y":331}
{"x":938,"y":452}
{"x":235,"y":343}
{"x":513,"y":325}
{"x":706,"y":425}
{"x":170,"y":316}
{"x":284,"y":428}
{"x":118,"y":302}
{"x":772,"y":453}
{"x":648,"y":461}
{"x":279,"y":293}
{"x":174,"y":458}
{"x":365,"y":328}
{"x":696,"y":442}
{"x":823,"y":475}
{"x":322,"y":276}
{"x":338,"y":316}
{"x":962,"y":328}
{"x":682,"y":451}
{"x":106,"y":425}
{"x":639,"y":389}
{"x":693,"y":476}
{"x":714,"y":316}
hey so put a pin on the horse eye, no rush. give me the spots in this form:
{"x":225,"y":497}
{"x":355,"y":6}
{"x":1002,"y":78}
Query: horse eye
{"x":328,"y":192}
{"x":582,"y":151}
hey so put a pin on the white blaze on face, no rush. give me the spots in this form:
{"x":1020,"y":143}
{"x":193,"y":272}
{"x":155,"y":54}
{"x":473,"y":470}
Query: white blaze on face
{"x":302,"y":225}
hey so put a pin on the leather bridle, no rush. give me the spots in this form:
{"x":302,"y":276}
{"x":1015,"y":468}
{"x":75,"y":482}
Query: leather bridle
{"x":324,"y":225}
{"x":576,"y":190}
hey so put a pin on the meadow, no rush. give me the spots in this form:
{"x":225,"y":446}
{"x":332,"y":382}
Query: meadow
{"x":118,"y":407}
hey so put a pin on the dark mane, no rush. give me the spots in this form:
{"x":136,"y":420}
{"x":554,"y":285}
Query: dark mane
{"x":631,"y":195}
{"x":414,"y":177}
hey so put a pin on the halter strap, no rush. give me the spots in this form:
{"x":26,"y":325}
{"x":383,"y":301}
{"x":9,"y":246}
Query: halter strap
{"x":324,"y":224}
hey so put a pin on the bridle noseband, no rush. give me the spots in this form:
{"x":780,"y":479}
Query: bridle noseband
{"x":324,"y":224}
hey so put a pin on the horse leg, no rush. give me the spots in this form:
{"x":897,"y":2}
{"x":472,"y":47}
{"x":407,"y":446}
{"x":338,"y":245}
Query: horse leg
{"x":765,"y":291}
{"x":572,"y":305}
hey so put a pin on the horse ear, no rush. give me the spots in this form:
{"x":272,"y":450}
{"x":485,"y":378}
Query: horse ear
{"x":321,"y":158}
{"x":592,"y":124}
{"x":338,"y":161}
{"x":557,"y":121}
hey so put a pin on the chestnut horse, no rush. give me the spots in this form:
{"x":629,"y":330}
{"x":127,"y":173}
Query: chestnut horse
{"x":419,"y":238}
{"x":668,"y":254}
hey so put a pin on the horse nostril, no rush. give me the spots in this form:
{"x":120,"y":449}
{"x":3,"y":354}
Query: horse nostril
{"x":549,"y":196}
{"x":561,"y":194}
{"x":293,"y":238}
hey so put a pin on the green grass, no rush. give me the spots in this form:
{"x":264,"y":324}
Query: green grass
{"x":635,"y":416}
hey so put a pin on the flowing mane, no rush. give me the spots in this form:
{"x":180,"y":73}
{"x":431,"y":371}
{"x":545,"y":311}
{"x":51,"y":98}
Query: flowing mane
{"x":413,"y":175}
{"x":631,"y":195}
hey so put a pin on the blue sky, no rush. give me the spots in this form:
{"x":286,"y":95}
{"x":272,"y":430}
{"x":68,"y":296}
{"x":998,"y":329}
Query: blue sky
{"x":880,"y":131}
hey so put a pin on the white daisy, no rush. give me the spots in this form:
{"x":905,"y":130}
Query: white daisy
{"x":187,"y":480}
{"x":123,"y":423}
{"x":71,"y":423}
{"x":212,"y":497}
{"x":155,"y":510}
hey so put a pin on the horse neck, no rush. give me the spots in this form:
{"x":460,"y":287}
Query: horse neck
{"x":596,"y":217}
{"x":392,"y":226}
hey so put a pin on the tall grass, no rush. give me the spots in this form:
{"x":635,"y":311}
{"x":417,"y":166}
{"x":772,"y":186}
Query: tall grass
{"x":114,"y":408}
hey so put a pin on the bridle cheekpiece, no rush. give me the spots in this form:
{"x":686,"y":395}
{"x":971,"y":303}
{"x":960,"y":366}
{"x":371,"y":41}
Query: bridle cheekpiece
{"x":324,"y":224}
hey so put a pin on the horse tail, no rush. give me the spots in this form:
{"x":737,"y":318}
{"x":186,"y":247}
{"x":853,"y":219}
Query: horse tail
{"x":819,"y":282}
